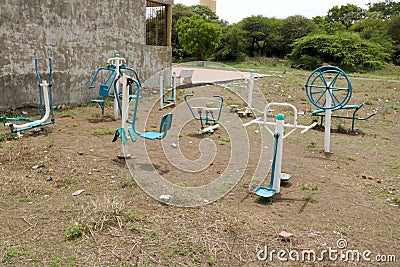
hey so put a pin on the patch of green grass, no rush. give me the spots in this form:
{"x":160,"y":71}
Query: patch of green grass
{"x":223,"y":141}
{"x":67,"y":114}
{"x":14,"y":253}
{"x":51,"y":144}
{"x":74,"y":230}
{"x":25,"y":199}
{"x":7,"y":137}
{"x":96,"y":114}
{"x":129,"y":183}
{"x":103,"y":132}
{"x":352,"y":158}
{"x":310,"y":197}
{"x":304,"y":185}
{"x":396,"y":199}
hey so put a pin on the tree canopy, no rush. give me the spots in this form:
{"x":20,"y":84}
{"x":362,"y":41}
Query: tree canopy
{"x":198,"y":35}
{"x":347,"y":36}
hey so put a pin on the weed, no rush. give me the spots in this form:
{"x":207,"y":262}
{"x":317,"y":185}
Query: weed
{"x":312,"y":145}
{"x":129,"y":183}
{"x":340,"y":128}
{"x":96,"y":114}
{"x":397,"y":199}
{"x":369,"y":102}
{"x":14,"y":252}
{"x":314,"y":187}
{"x":67,"y":114}
{"x":223,"y":141}
{"x":395,"y":107}
{"x":74,"y":230}
{"x":7,"y":137}
{"x":51,"y":144}
{"x":304,"y":185}
{"x":211,"y":259}
{"x":310,"y":197}
{"x":103,"y":132}
{"x":351,"y":158}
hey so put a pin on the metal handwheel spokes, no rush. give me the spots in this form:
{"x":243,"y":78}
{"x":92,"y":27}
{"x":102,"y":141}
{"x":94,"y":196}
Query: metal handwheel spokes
{"x":328,"y":81}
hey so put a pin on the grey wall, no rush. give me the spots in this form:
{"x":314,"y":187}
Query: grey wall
{"x":80,"y":36}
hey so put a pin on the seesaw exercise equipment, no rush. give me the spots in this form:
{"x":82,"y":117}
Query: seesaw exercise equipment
{"x":46,"y":96}
{"x":164,"y":100}
{"x":110,"y":88}
{"x":276,"y":175}
{"x":329,"y":89}
{"x":206,"y":115}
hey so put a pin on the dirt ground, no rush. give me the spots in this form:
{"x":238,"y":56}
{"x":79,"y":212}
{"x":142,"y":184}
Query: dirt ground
{"x":335,"y":205}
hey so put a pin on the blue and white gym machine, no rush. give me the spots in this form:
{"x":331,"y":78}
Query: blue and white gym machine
{"x":279,"y":134}
{"x":45,"y":95}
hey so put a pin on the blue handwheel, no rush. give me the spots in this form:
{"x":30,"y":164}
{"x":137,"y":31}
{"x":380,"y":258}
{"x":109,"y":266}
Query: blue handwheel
{"x":328,"y":80}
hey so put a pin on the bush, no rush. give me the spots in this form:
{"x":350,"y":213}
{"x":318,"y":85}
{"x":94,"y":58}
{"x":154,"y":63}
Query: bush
{"x":345,"y":50}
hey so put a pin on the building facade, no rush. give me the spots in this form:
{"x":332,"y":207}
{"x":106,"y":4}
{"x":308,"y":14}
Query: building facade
{"x":79,"y":36}
{"x":212,"y":4}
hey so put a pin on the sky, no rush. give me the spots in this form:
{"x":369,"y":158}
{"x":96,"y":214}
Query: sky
{"x":235,"y":10}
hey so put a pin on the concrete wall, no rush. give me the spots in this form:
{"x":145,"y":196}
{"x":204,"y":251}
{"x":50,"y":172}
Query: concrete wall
{"x":80,"y":36}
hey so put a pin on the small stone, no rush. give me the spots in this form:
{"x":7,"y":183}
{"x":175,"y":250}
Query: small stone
{"x":165,"y":197}
{"x":174,"y":145}
{"x":78,"y":192}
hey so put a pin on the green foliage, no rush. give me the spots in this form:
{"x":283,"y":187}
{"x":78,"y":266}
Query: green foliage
{"x":295,"y":27}
{"x":377,"y":42}
{"x":204,"y":11}
{"x":74,"y":230}
{"x":232,"y":46}
{"x":346,"y":50}
{"x":14,"y":252}
{"x":346,"y":15}
{"x":262,"y":35}
{"x":103,"y":132}
{"x":198,"y":35}
{"x":384,"y":9}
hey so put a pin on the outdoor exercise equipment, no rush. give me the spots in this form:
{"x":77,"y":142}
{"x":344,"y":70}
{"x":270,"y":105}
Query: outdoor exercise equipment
{"x":45,"y":94}
{"x":208,"y":120}
{"x":248,"y":111}
{"x":276,"y":175}
{"x":329,"y":89}
{"x":123,"y":93}
{"x":110,"y":87}
{"x":164,"y":101}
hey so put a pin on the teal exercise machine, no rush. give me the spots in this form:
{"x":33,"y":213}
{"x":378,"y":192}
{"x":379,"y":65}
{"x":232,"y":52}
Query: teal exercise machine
{"x":124,"y":92}
{"x":20,"y":123}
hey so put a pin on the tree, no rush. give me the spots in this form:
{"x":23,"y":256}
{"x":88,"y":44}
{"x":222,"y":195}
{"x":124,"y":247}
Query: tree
{"x":254,"y":32}
{"x":295,"y":27}
{"x":232,"y":45}
{"x":374,"y":30}
{"x":385,"y":9}
{"x":178,"y":11}
{"x":346,"y":50}
{"x":204,"y":11}
{"x":198,"y":35}
{"x":393,"y":31}
{"x":346,"y":15}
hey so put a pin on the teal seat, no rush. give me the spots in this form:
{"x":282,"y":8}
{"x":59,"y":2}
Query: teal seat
{"x":165,"y":125}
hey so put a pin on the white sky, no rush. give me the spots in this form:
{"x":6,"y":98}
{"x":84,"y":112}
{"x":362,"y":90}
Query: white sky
{"x":235,"y":10}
